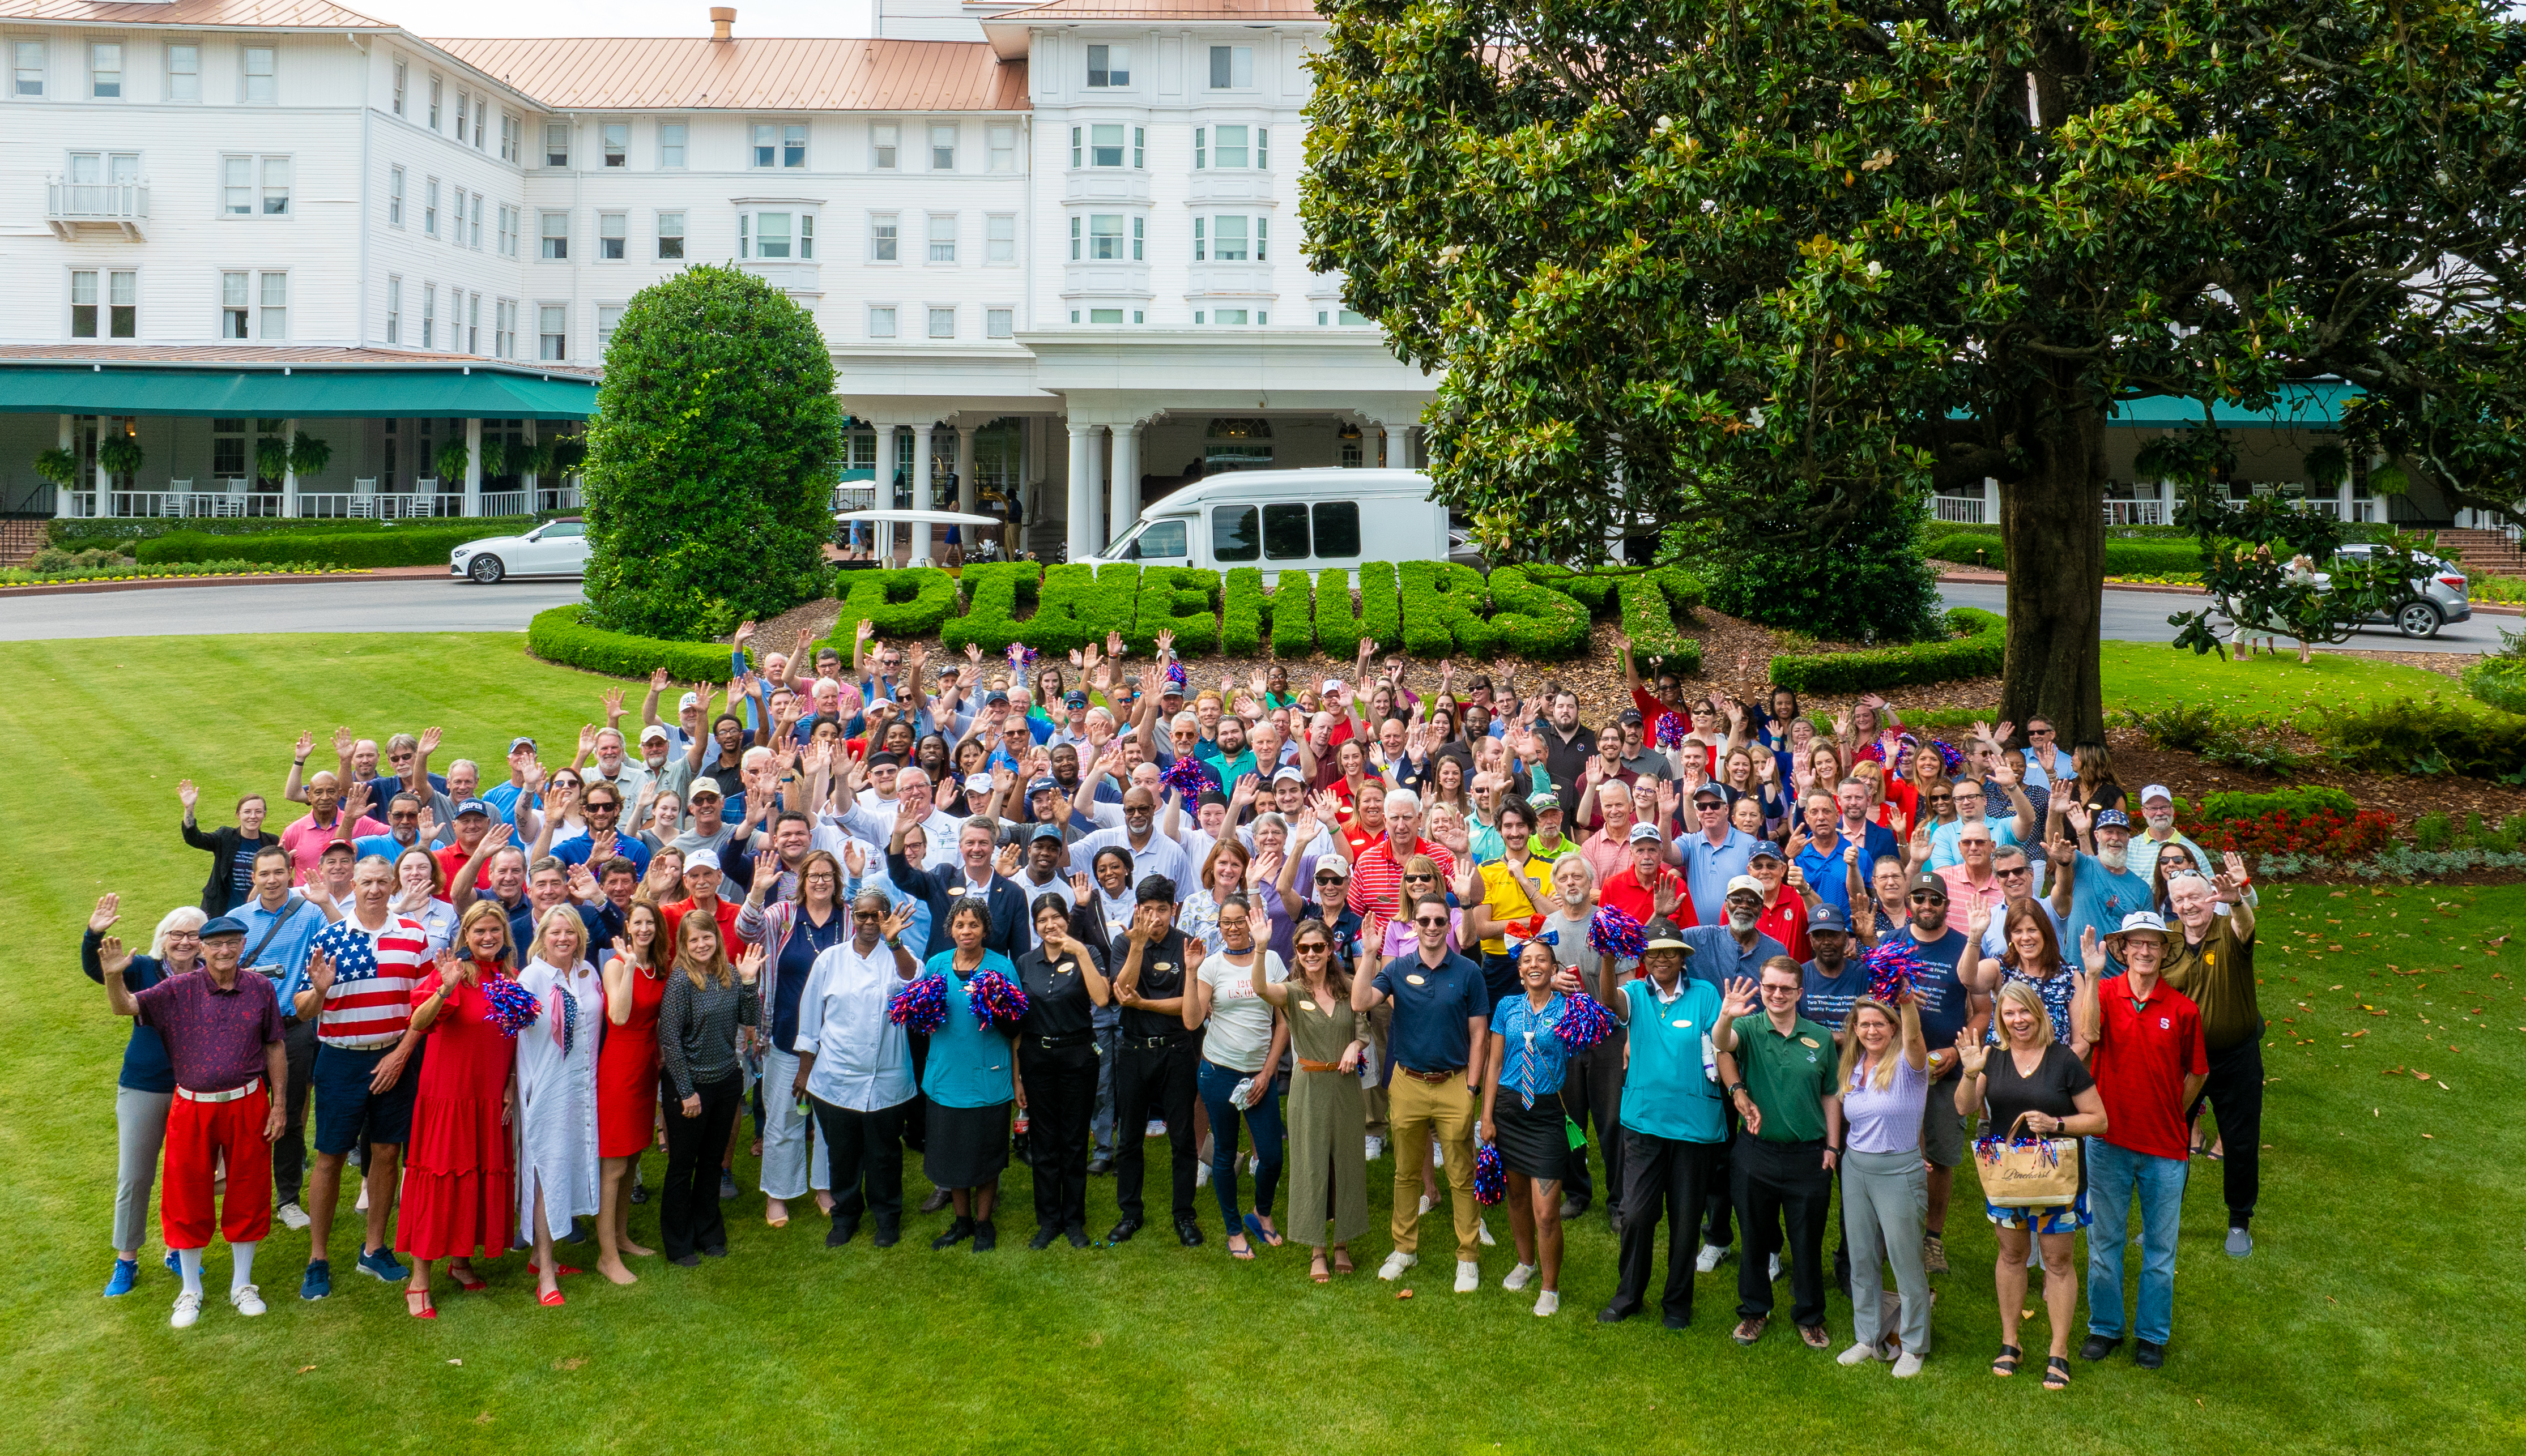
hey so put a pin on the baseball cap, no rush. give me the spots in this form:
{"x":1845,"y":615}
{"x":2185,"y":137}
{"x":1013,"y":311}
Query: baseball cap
{"x":701,"y":858}
{"x":473,"y":806}
{"x":1543,"y":801}
{"x":978,"y":783}
{"x":1746,"y":882}
{"x":1333,"y":870}
{"x":517,"y":743}
{"x":226,"y":925}
{"x":1333,"y":685}
{"x":1041,"y":783}
{"x":1050,"y":832}
{"x":1764,"y":849}
{"x":705,"y":788}
{"x":1074,"y":699}
{"x":1289,"y":772}
{"x":1649,"y":831}
{"x":947,"y":671}
{"x":2157,"y":791}
{"x":1630,"y":715}
{"x":1172,"y":690}
{"x":2112,"y":819}
{"x":688,"y":700}
{"x":1927,"y":881}
{"x":994,"y":696}
{"x":1711,"y":792}
{"x":654,"y":730}
{"x":1826,"y":917}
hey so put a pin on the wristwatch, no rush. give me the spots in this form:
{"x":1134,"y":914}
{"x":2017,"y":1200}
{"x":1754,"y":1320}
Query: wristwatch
{"x":1734,"y":1088}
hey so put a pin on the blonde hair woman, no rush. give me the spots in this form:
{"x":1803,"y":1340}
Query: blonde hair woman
{"x":146,"y":1088}
{"x":1885,"y":1190}
{"x":557,"y":1160}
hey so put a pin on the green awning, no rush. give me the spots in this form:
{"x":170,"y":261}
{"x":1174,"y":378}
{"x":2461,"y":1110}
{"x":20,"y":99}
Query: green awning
{"x":2315,"y":405}
{"x":299,"y":393}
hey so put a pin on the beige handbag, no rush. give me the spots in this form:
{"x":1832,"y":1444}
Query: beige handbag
{"x":2038,"y":1172}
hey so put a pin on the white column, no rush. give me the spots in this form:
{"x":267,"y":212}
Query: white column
{"x":1372,"y":446}
{"x":473,"y":467}
{"x":100,"y":480}
{"x":288,"y":472}
{"x":969,"y":495}
{"x":529,"y":479}
{"x":1127,"y":479}
{"x":925,"y":497}
{"x":64,"y":497}
{"x":1081,"y":526}
{"x":1412,"y":440}
{"x":1990,"y":500}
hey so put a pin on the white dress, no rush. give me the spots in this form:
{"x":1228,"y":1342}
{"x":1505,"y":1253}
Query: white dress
{"x":557,"y":1095}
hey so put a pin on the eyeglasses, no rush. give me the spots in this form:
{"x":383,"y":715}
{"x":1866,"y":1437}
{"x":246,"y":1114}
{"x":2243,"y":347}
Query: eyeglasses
{"x":1924,"y":897}
{"x":2013,"y":874}
{"x":1427,"y":923}
{"x":1780,"y":990}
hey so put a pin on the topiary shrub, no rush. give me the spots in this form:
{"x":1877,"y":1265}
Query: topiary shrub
{"x":562,"y":634}
{"x":1977,"y":651}
{"x":1650,"y":601}
{"x":1182,"y":600}
{"x":1531,"y":619}
{"x":1247,"y":615}
{"x":1378,"y":618}
{"x":412,"y":545}
{"x":1293,"y":616}
{"x":1079,"y":604}
{"x":900,"y":603}
{"x":991,"y":592}
{"x":710,"y":458}
{"x":1442,"y":604}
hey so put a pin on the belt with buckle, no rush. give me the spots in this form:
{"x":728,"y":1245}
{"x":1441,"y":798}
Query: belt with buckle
{"x":1065,"y":1039}
{"x":1152,"y":1043}
{"x":1419,"y":1075}
{"x":252,"y":1085}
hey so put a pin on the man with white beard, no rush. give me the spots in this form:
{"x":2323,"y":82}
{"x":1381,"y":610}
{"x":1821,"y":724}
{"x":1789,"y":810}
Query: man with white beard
{"x":2158,"y":815}
{"x":1736,"y":949}
{"x":2094,"y":890}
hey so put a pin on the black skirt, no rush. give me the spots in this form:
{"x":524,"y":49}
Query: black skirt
{"x":1531,"y":1140}
{"x":967,"y":1147}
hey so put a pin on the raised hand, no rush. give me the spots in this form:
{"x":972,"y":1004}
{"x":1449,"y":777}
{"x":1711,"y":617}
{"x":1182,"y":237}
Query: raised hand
{"x":355,"y":801}
{"x":1080,"y":890}
{"x":583,"y":885}
{"x":320,"y":973}
{"x":1664,"y":898}
{"x":744,"y":635}
{"x":658,"y":680}
{"x":2081,"y":821}
{"x":1971,"y":1054}
{"x":343,"y":741}
{"x":1166,"y":643}
{"x":306,"y":745}
{"x":187,"y":794}
{"x":1737,"y":998}
{"x":428,"y":827}
{"x":974,"y":653}
{"x":751,"y":966}
{"x":451,"y":969}
{"x":108,"y":909}
{"x":916,"y":656}
{"x":855,"y":858}
{"x":1006,"y":863}
{"x":587,"y":739}
{"x":2092,"y":952}
{"x":112,"y":957}
{"x":1114,"y":646}
{"x":896,"y":921}
{"x":2061,"y":852}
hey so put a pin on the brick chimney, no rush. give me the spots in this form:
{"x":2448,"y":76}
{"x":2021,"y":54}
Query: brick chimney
{"x":722,"y":21}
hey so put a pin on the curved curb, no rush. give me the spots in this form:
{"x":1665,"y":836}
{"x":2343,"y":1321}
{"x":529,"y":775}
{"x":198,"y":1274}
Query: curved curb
{"x":290,"y":578}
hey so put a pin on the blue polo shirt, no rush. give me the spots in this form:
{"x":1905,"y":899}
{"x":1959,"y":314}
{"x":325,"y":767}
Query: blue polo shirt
{"x":1718,"y":959}
{"x":1708,"y":867}
{"x":2100,"y":897}
{"x":1666,"y":1091}
{"x":386,"y":846}
{"x":1827,"y":875}
{"x":968,"y":1064}
{"x":503,"y":800}
{"x":1434,"y":1007}
{"x":575,"y":849}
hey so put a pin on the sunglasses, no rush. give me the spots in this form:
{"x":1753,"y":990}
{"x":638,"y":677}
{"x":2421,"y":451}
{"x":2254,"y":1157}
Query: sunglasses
{"x":1409,"y":879}
{"x":1431,"y":925}
{"x":2036,"y":732}
{"x":1924,"y":897}
{"x":2013,"y":874}
{"x":1780,"y":990}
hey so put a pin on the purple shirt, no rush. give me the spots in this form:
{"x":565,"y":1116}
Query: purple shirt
{"x":214,"y":1038}
{"x":1886,"y":1121}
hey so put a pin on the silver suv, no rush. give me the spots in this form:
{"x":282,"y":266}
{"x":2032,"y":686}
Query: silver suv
{"x":2436,"y":599}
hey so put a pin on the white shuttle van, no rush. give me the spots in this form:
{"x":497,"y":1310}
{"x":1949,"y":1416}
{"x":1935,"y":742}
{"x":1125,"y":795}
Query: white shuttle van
{"x":1301,"y":520}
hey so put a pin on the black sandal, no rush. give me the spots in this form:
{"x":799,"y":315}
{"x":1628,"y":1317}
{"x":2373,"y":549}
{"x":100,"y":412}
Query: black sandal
{"x":2006,"y":1364}
{"x":2056,"y":1372}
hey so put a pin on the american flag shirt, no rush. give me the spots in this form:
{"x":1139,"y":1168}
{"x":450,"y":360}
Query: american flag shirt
{"x":370,"y":1002}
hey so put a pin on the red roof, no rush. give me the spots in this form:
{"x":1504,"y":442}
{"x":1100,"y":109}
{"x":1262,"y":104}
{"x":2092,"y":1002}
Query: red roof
{"x":758,"y":74}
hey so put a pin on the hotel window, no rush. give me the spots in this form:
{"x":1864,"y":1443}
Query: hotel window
{"x":394,"y":308}
{"x":1231,"y":67}
{"x":771,"y":237}
{"x":999,"y":322}
{"x":394,"y":197}
{"x":552,"y":331}
{"x":942,"y":238}
{"x":555,"y":231}
{"x":882,"y":235}
{"x":609,"y":316}
{"x":246,"y":182}
{"x":943,"y":323}
{"x":184,"y":74}
{"x":27,"y":60}
{"x":262,"y":85}
{"x":473,"y":324}
{"x":227,"y":448}
{"x":1104,"y":316}
{"x":481,"y":122}
{"x":429,"y":207}
{"x":617,"y":139}
{"x":234,"y":310}
{"x":1000,"y":238}
{"x":513,"y":134}
{"x":557,"y":144}
{"x":272,"y":317}
{"x":778,"y":144}
{"x":943,"y":147}
{"x":1348,"y":317}
{"x":464,"y":104}
{"x":1109,"y":66}
{"x":612,"y":235}
{"x":435,"y":93}
{"x":881,"y":322}
{"x":1105,"y":237}
{"x":1227,"y":239}
{"x":402,"y":81}
{"x":430,"y":316}
{"x":119,"y":306}
{"x":671,"y":146}
{"x":1000,"y":147}
{"x":105,"y":71}
{"x":670,"y":235}
{"x":1229,"y":148}
{"x":884,"y":140}
{"x":504,"y":328}
{"x":474,"y":236}
{"x":508,"y":231}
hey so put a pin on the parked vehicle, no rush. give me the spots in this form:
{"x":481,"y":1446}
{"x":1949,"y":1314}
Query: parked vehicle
{"x":556,"y":548}
{"x":1296,"y":520}
{"x":2439,"y":598}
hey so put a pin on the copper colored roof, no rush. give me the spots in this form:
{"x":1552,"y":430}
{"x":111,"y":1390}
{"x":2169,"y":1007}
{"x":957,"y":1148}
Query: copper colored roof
{"x":309,"y":14}
{"x":1166,"y":10}
{"x":273,"y":356}
{"x":760,"y":74}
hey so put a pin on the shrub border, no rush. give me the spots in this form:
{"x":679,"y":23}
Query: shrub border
{"x":557,"y":634}
{"x":1977,"y":653}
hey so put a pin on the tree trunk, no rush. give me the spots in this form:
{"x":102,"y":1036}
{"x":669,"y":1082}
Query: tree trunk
{"x":2051,"y":527}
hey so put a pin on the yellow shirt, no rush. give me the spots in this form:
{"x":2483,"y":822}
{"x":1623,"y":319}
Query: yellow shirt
{"x":1506,"y":901}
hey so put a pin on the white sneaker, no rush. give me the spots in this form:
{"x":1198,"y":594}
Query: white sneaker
{"x":291,"y":1215}
{"x":1395,"y":1263}
{"x":1519,"y":1278}
{"x":1907,"y":1367}
{"x":1376,"y":1147}
{"x":1548,"y":1302}
{"x":1254,"y":1165}
{"x":1157,"y":1127}
{"x":1437,"y":1154}
{"x":1483,"y":1227}
{"x":1469,"y":1275}
{"x":248,"y":1300}
{"x":1708,"y":1260}
{"x":1776,"y":1269}
{"x":1860,"y":1354}
{"x":188,"y":1308}
{"x":1201,"y":1174}
{"x":1426,"y":1203}
{"x":363,"y":1205}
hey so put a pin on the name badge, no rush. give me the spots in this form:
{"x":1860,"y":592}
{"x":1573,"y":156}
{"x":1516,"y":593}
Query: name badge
{"x":1162,"y":965}
{"x":1684,"y":1023}
{"x":1312,"y":1006}
{"x":1806,"y":1042}
{"x":1414,"y":980}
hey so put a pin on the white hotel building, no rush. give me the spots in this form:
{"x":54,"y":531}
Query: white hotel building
{"x":1054,"y":248}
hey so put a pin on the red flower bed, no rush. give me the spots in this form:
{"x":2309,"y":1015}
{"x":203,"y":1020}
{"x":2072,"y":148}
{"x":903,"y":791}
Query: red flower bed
{"x":2323,"y":833}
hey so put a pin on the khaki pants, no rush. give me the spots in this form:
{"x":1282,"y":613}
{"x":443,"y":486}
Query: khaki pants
{"x":1418,"y":1110}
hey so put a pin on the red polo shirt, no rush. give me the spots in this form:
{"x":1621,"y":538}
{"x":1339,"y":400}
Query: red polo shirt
{"x":1785,"y":920}
{"x":2143,"y":1052}
{"x":1623,"y":891}
{"x":723,"y":910}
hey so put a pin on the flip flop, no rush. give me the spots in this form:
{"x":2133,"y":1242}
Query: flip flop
{"x":1246,"y":1252}
{"x":1254,"y":1227}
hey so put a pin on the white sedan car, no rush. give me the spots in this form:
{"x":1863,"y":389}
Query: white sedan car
{"x":556,"y":548}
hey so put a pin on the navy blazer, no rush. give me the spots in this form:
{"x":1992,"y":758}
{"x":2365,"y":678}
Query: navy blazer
{"x":942,"y":888}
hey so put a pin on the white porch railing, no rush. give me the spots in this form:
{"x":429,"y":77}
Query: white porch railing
{"x":858,"y":495}
{"x":504,"y":502}
{"x":553,"y":498}
{"x":146,"y":503}
{"x":2134,"y":513}
{"x":124,"y":205}
{"x":1958,"y":510}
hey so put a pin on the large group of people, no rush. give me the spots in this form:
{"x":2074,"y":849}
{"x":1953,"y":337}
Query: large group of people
{"x":1716,"y":965}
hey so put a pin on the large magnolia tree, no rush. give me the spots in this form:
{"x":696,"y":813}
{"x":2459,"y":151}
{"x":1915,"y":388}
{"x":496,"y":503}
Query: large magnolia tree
{"x":1756,"y":262}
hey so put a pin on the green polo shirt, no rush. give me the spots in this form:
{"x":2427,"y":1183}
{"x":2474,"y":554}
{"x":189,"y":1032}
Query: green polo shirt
{"x":1787,"y":1077}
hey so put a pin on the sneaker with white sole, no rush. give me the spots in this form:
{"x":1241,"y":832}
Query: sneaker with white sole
{"x":248,"y":1300}
{"x":188,"y":1308}
{"x":1395,"y":1263}
{"x":1776,"y":1269}
{"x":291,"y":1215}
{"x":1907,"y":1367}
{"x":1376,"y":1147}
{"x":1934,"y":1254}
{"x":1484,"y":1229}
{"x":1860,"y":1354}
{"x":2239,"y":1243}
{"x":1519,"y":1278}
{"x":1708,"y":1260}
{"x":1469,"y":1275}
{"x":1428,"y":1202}
{"x":1547,"y":1303}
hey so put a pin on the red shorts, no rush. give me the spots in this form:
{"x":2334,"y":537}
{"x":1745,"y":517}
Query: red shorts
{"x":197,"y":1132}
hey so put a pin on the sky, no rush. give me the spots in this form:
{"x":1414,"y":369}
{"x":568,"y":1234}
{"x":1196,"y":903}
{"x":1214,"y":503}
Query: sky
{"x":472,"y":17}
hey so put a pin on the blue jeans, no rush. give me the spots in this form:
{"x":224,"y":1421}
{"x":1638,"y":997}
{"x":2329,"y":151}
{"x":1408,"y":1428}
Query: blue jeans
{"x":2113,"y":1175}
{"x":1102,"y":1126}
{"x":1214,"y":1082}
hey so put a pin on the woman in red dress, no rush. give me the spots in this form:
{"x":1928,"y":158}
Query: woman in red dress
{"x":458,"y":1177}
{"x":626,"y":1075}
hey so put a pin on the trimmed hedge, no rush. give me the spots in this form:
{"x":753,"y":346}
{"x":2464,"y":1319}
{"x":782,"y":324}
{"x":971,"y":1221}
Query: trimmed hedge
{"x":2123,"y":558}
{"x":1249,"y":614}
{"x":1442,"y":604}
{"x":992,"y":593}
{"x":73,"y":532}
{"x":426,"y":545}
{"x":1531,"y":619}
{"x":1184,"y":600}
{"x":1379,"y":618}
{"x":1977,"y":651}
{"x":1651,"y":600}
{"x":2297,"y":803}
{"x":558,"y":635}
{"x":907,"y":603}
{"x":1079,"y":604}
{"x":1293,"y":616}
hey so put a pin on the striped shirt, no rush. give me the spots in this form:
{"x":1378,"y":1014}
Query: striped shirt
{"x":370,"y":1002}
{"x":1377,"y":876}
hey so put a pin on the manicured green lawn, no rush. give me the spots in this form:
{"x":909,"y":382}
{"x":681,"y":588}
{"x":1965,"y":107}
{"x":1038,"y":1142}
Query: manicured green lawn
{"x":2142,"y":675}
{"x":2376,"y":1313}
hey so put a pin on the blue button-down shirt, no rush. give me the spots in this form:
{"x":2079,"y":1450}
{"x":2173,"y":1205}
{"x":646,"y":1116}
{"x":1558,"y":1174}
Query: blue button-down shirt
{"x":284,"y":960}
{"x":1718,"y":959}
{"x":1708,"y":867}
{"x":1536,"y":1055}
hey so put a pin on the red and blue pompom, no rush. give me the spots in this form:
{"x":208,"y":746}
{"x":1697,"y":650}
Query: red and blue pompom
{"x":998,"y":1002}
{"x":1585,"y":1022}
{"x":514,"y":1008}
{"x":1491,"y":1175}
{"x":1897,"y":968}
{"x":919,"y":1004}
{"x":1613,"y":933}
{"x":1025,"y":657}
{"x":1948,"y":755}
{"x":1185,"y":777}
{"x":1176,"y":674}
{"x":1988,"y":1145}
{"x":1670,"y":730}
